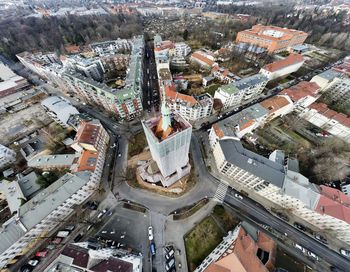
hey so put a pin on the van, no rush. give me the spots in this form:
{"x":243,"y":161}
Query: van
{"x":170,"y":264}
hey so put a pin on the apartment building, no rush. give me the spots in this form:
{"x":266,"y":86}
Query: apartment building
{"x":59,"y":109}
{"x":245,"y":248}
{"x":326,"y":78}
{"x":111,"y":47}
{"x":278,"y":180}
{"x":232,"y":95}
{"x":38,"y":62}
{"x":274,"y":39}
{"x":45,"y":211}
{"x":7,"y":156}
{"x":337,"y":124}
{"x":189,"y":107}
{"x":283,"y":67}
{"x":125,"y":102}
{"x":302,"y":94}
{"x":181,"y":49}
{"x":89,"y":67}
{"x":51,"y":162}
{"x":224,"y":75}
{"x":339,"y":91}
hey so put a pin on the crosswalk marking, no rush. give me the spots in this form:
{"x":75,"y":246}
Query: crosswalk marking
{"x":221,"y":192}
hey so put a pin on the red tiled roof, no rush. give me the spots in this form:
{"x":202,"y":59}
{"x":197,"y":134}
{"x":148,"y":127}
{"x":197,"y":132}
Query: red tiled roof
{"x":202,"y":58}
{"x":275,"y":103}
{"x":79,"y":255}
{"x":244,"y":258}
{"x":323,"y":109}
{"x":174,"y":96}
{"x":112,"y":264}
{"x":301,"y":90}
{"x":87,"y":161}
{"x":334,"y":203}
{"x":87,"y":133}
{"x":280,"y":64}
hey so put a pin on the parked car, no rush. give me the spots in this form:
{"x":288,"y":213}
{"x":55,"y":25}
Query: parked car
{"x":57,"y":241}
{"x":69,"y":227}
{"x":26,"y":268}
{"x":239,"y":196}
{"x":41,"y":254}
{"x":33,"y":262}
{"x":150,"y":233}
{"x":153,"y":248}
{"x":78,"y":237}
{"x":345,"y":252}
{"x":170,"y":264}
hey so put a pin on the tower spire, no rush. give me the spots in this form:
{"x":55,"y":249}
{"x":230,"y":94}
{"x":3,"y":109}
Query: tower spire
{"x":165,"y":113}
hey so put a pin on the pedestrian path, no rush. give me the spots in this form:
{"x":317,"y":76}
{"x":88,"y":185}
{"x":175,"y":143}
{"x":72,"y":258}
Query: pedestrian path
{"x":221,"y":192}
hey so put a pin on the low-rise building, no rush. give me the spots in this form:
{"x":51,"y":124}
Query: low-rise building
{"x":325,"y":78}
{"x":203,"y":59}
{"x":189,"y":107}
{"x":283,"y":67}
{"x":7,"y":156}
{"x":302,"y":94}
{"x":224,"y":75}
{"x":234,"y":94}
{"x":59,"y":109}
{"x":239,"y":124}
{"x":278,"y":105}
{"x":10,"y":82}
{"x":337,"y":124}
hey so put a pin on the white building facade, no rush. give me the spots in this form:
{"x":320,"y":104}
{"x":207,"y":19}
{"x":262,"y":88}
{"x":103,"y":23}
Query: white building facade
{"x":7,"y":156}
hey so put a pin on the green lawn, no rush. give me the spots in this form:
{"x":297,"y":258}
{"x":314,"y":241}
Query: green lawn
{"x":212,"y":88}
{"x":201,"y":241}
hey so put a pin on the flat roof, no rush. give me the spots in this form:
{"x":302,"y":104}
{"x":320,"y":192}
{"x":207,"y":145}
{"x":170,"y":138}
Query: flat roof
{"x":251,"y":162}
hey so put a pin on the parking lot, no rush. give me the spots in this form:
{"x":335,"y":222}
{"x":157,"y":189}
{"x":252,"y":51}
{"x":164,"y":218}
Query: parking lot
{"x":128,"y":228}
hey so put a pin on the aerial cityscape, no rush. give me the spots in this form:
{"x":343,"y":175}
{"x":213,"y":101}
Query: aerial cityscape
{"x":174,"y":135}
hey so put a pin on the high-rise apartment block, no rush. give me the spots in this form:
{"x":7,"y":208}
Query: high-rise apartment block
{"x":168,"y":137}
{"x":274,"y":39}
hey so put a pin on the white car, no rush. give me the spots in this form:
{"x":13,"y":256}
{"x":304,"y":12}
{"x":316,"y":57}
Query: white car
{"x":119,"y":155}
{"x":150,"y":233}
{"x":33,"y":262}
{"x":238,"y":196}
{"x":345,"y":252}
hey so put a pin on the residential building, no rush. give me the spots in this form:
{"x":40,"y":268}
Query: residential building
{"x":339,"y":91}
{"x":189,"y":107}
{"x":232,"y":95}
{"x":274,"y":39}
{"x":344,"y":67}
{"x":182,"y":49}
{"x":239,"y":124}
{"x":283,"y":67}
{"x":337,"y":124}
{"x":203,"y":59}
{"x":10,"y":82}
{"x":111,"y":47}
{"x":125,"y":102}
{"x":41,"y":214}
{"x":59,"y":109}
{"x":89,"y":67}
{"x":278,"y":180}
{"x":325,"y":78}
{"x":13,"y":193}
{"x":51,"y":162}
{"x":168,"y":137}
{"x":7,"y":156}
{"x":278,"y":105}
{"x":207,"y":80}
{"x":224,"y":75}
{"x":302,"y":94}
{"x":38,"y":62}
{"x":245,"y":249}
{"x":79,"y":257}
{"x":90,"y":136}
